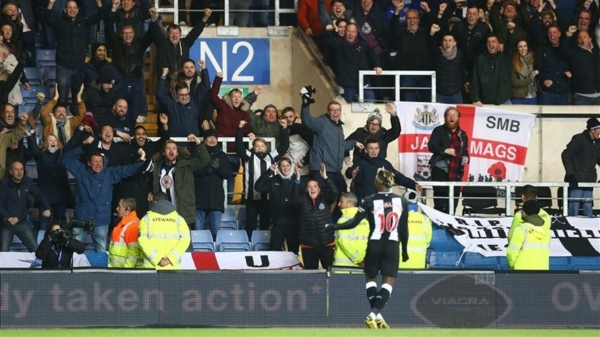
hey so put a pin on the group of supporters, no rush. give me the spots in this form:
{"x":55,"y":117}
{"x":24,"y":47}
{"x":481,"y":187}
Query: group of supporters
{"x":483,"y":52}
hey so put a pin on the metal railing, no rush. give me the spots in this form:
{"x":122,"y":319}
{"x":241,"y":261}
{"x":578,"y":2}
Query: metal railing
{"x":506,"y":186}
{"x":397,"y":87}
{"x":314,"y":50}
{"x":226,"y":11}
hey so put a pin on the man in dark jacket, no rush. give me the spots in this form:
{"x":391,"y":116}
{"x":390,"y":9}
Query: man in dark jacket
{"x":99,"y":95}
{"x":351,"y":54}
{"x":580,"y":159}
{"x":449,"y":146}
{"x":374,"y":130}
{"x":470,"y":36}
{"x":208,"y":181}
{"x":117,"y":118}
{"x":70,"y":29}
{"x":491,"y":82}
{"x":365,"y":169}
{"x":173,"y":48}
{"x":584,"y":61}
{"x":450,"y":68}
{"x":128,"y":54}
{"x":553,"y":70}
{"x":15,"y":191}
{"x":97,"y":67}
{"x":183,"y":108}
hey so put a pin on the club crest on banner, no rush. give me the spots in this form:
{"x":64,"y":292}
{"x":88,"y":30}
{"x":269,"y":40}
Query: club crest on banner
{"x":426,"y":119}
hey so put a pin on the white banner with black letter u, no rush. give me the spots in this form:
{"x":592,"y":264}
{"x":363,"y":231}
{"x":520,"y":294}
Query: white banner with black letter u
{"x":571,"y":236}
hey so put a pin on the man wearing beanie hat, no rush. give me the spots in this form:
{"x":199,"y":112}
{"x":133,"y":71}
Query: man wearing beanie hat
{"x":580,"y":159}
{"x":210,"y":194}
{"x":529,"y":246}
{"x":267,"y":123}
{"x":374,"y":130}
{"x":508,"y":26}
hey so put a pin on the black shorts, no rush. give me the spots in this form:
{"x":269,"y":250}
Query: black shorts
{"x":382,"y":256}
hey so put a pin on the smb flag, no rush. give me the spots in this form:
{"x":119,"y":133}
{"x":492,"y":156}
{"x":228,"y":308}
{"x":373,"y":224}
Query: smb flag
{"x":498,"y":140}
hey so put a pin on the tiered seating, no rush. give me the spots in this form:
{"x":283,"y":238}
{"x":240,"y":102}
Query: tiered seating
{"x":232,"y":241}
{"x":202,"y":241}
{"x":260,"y":240}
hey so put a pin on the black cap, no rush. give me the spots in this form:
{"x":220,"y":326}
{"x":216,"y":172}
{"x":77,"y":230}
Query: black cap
{"x":531,"y":207}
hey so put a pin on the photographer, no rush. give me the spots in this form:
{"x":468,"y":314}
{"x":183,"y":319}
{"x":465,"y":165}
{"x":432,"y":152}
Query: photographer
{"x":57,"y":247}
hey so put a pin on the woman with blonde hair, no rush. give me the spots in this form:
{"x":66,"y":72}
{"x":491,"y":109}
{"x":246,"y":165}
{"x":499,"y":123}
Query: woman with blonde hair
{"x":524,"y":85}
{"x":53,"y":178}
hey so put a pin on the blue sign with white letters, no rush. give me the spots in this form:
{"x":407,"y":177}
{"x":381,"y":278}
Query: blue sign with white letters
{"x":242,"y":61}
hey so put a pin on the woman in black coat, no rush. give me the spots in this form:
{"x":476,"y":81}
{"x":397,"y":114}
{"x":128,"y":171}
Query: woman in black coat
{"x":53,"y":178}
{"x":278,"y":183}
{"x":57,"y":248}
{"x":316,"y":241}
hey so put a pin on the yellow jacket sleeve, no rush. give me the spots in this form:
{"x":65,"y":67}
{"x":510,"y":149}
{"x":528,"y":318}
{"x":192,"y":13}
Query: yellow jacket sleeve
{"x":514,"y":246}
{"x":133,"y":247}
{"x":515,"y":223}
{"x":151,"y":253}
{"x":176,"y":253}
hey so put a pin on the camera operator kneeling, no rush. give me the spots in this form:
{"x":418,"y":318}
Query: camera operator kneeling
{"x":57,"y":247}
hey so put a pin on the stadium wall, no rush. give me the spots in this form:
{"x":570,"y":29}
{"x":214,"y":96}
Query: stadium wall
{"x":39,"y":299}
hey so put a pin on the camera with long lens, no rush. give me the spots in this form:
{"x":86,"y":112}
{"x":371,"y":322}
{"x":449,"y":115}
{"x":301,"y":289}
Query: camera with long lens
{"x":69,"y":223}
{"x":60,"y":236}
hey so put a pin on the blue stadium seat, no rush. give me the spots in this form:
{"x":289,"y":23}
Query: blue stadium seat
{"x":502,"y":263}
{"x":30,"y":96}
{"x":97,"y":259}
{"x":445,"y":260}
{"x":442,"y":241}
{"x":560,"y":263}
{"x":229,"y":224}
{"x":16,"y":245}
{"x":241,"y":217}
{"x":89,"y":243}
{"x":478,"y":261}
{"x":232,"y":241}
{"x":229,"y":214}
{"x":585,"y":262}
{"x":202,"y":241}
{"x":50,"y":76}
{"x":260,"y":240}
{"x":45,"y":57}
{"x":40,"y":235}
{"x":33,"y":75}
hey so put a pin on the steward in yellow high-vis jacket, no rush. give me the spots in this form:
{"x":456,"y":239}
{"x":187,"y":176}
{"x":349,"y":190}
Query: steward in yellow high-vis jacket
{"x":124,"y":250}
{"x":350,"y":244}
{"x":529,"y":246}
{"x":528,"y":192}
{"x":164,"y":235}
{"x":419,"y":238}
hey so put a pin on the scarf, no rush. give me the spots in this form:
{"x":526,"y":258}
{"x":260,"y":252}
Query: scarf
{"x":167,"y":182}
{"x":450,"y":55}
{"x":98,"y":65}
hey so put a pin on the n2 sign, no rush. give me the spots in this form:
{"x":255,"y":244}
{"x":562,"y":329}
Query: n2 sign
{"x":242,"y":61}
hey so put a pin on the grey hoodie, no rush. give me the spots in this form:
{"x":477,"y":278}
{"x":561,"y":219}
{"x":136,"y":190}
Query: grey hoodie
{"x":163,"y":207}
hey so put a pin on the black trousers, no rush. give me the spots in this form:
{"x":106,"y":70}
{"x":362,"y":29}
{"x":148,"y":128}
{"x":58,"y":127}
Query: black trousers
{"x":253,"y":209}
{"x":440,"y":193}
{"x":313,"y":255}
{"x":289,"y":232}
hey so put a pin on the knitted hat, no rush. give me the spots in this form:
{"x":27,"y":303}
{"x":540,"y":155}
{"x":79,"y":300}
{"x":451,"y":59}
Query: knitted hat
{"x":531,"y":207}
{"x":593,"y":123}
{"x":210,"y":133}
{"x":105,"y":77}
{"x":375,"y":115}
{"x":95,"y":46}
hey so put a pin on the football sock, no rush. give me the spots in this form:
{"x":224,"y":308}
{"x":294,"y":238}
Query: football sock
{"x":382,"y":297}
{"x":372,"y":293}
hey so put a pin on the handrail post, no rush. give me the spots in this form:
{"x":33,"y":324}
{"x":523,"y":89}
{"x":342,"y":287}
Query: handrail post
{"x":565,"y":199}
{"x":226,"y":13}
{"x":451,"y":198}
{"x":507,"y":199}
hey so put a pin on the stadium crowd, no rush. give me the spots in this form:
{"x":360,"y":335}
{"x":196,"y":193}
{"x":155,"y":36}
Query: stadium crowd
{"x":495,"y":52}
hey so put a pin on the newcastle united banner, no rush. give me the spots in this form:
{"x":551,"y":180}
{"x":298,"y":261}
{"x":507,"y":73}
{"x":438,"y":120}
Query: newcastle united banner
{"x":571,"y":236}
{"x":498,"y":140}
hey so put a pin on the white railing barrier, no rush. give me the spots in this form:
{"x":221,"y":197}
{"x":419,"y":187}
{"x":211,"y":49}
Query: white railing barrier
{"x":506,"y":186}
{"x":397,"y":88}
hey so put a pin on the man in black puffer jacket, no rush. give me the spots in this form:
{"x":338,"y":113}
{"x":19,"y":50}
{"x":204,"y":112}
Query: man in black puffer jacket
{"x":70,"y":28}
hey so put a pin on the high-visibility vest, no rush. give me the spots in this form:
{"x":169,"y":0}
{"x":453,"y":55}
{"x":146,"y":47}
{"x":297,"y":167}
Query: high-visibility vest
{"x":124,"y":250}
{"x":517,"y":220}
{"x":163,"y":235}
{"x":419,"y":237}
{"x":351,"y":244}
{"x":529,"y":248}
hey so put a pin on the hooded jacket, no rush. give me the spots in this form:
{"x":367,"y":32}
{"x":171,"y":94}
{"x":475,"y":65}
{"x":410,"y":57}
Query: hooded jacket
{"x":281,"y":190}
{"x":5,"y":140}
{"x":315,"y":214}
{"x":163,"y":233}
{"x":14,"y":198}
{"x":529,"y":246}
{"x":491,"y":82}
{"x":170,"y":55}
{"x":98,"y":102}
{"x":208,"y":181}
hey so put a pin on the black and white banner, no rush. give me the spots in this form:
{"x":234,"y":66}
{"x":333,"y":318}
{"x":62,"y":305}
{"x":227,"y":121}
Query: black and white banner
{"x":571,"y":236}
